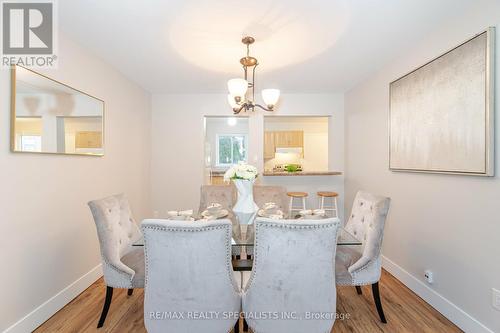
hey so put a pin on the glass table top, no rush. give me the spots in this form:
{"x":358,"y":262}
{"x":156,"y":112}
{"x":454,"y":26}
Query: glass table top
{"x":343,"y":238}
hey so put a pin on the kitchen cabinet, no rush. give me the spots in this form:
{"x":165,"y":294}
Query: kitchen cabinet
{"x":289,"y":139}
{"x":88,"y":139}
{"x":269,"y":146}
{"x":281,"y":139}
{"x":217,"y":180}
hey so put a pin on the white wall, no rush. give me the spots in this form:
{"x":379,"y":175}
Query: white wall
{"x":449,"y":224}
{"x":177,"y":150}
{"x":48,"y":235}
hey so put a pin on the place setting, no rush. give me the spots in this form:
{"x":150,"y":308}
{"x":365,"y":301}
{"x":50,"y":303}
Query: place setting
{"x":214,"y":211}
{"x":180,"y":215}
{"x":271,"y":210}
{"x":312,"y":214}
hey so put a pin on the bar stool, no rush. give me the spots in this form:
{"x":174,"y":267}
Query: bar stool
{"x":333,"y":208}
{"x":296,"y":195}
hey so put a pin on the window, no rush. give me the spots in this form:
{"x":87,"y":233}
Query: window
{"x":231,"y":149}
{"x":31,"y":143}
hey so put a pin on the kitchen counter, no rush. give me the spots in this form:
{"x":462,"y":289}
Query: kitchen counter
{"x":303,"y":173}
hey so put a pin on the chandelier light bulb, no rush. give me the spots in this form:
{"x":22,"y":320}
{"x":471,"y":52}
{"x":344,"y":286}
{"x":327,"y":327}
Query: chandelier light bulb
{"x":237,"y":88}
{"x":270,"y":97}
{"x":232,"y":101}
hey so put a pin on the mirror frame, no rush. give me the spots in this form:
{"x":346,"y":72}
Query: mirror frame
{"x":13,"y":116}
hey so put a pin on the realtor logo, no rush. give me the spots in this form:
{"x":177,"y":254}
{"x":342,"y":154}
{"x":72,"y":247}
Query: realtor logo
{"x":28,"y":34}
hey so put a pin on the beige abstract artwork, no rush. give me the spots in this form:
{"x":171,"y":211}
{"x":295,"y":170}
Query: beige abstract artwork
{"x":441,"y":114}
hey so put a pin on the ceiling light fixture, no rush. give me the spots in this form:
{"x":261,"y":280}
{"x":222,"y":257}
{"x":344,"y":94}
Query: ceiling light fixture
{"x":239,"y":88}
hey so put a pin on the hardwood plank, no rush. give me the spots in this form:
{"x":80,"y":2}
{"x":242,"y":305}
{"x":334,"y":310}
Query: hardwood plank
{"x":405,"y":311}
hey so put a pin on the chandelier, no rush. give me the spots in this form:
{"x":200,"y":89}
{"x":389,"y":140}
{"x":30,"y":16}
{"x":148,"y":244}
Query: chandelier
{"x":242,"y":91}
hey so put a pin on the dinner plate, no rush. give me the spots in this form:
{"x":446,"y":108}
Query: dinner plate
{"x":220,"y":214}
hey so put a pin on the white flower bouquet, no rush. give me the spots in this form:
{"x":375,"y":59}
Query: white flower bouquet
{"x":241,"y":171}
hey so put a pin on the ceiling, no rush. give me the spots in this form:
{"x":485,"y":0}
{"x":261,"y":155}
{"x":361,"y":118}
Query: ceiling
{"x":193,"y":46}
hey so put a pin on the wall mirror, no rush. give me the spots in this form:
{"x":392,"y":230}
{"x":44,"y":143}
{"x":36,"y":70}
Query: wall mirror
{"x":296,"y":143}
{"x":226,"y":143}
{"x":51,"y":117}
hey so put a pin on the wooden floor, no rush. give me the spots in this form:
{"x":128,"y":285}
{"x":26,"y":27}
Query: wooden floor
{"x":405,"y":311}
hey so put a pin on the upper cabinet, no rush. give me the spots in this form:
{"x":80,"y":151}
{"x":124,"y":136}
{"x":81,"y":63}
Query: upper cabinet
{"x":269,"y":145}
{"x":289,"y":139}
{"x":281,"y":139}
{"x":88,"y":139}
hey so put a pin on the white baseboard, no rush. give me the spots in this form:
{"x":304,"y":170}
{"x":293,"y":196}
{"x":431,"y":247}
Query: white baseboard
{"x":456,"y":315}
{"x":39,"y":315}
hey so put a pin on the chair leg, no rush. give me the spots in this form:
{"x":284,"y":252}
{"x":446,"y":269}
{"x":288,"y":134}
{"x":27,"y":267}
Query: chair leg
{"x":358,"y":290}
{"x":107,"y":303}
{"x":237,"y":327}
{"x":336,"y":208}
{"x":130,"y":292}
{"x":378,"y":303}
{"x":105,"y":308}
{"x":245,"y":325}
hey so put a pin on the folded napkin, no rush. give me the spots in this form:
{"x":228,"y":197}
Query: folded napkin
{"x":179,"y":214}
{"x":188,"y":212}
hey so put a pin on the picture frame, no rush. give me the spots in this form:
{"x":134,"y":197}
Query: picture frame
{"x":441,"y":116}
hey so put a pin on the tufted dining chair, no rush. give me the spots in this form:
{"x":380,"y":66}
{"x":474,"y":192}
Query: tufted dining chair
{"x":189,"y":270}
{"x":221,"y":194}
{"x":276,"y":194}
{"x":122,"y":264}
{"x":224,"y":195}
{"x":292,"y":273}
{"x":261,"y":195}
{"x":358,"y":267}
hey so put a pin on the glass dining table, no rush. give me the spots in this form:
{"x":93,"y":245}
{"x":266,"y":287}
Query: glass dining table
{"x":344,"y":238}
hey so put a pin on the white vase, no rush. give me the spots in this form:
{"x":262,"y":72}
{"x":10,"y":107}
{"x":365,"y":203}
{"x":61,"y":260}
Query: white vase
{"x":245,"y":208}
